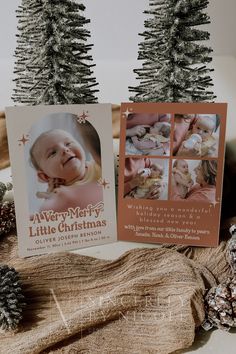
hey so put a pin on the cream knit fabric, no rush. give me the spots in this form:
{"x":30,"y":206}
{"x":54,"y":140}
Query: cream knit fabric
{"x":147,"y":301}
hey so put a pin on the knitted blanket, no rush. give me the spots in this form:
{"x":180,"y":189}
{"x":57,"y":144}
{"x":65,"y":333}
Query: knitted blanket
{"x":146,"y":301}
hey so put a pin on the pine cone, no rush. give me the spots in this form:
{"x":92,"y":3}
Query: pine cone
{"x":3,"y":190}
{"x":11,"y":298}
{"x":220,"y":306}
{"x":7,"y":217}
{"x":220,"y":301}
{"x":231,"y":252}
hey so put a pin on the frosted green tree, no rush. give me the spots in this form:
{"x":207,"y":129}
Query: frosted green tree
{"x":26,"y":37}
{"x":175,"y":60}
{"x":53,"y":64}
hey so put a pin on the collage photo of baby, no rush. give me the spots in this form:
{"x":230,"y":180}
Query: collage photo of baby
{"x":146,"y":148}
{"x":196,"y":135}
{"x":171,"y":157}
{"x":148,"y":134}
{"x":146,"y":178}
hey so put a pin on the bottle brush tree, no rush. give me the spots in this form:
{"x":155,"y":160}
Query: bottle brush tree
{"x":53,"y":64}
{"x":174,"y":57}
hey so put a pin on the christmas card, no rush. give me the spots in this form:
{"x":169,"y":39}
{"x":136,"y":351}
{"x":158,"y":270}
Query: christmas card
{"x":171,"y":172}
{"x":63,"y":176}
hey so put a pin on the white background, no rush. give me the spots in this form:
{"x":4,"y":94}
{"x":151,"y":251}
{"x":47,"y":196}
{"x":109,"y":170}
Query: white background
{"x":114,"y":27}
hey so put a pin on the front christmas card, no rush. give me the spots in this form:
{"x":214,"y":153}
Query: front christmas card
{"x":63,"y":176}
{"x":171,"y":171}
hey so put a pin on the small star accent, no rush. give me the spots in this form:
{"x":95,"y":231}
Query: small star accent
{"x":82,"y":118}
{"x":23,"y":140}
{"x":103,"y":183}
{"x":127,"y":112}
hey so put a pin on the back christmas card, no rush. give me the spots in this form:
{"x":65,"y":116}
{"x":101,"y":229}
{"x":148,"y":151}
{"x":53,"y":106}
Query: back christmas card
{"x":171,"y":172}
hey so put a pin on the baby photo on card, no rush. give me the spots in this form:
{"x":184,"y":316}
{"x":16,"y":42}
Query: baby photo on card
{"x":202,"y":137}
{"x":152,"y":175}
{"x":171,"y":172}
{"x":62,"y":167}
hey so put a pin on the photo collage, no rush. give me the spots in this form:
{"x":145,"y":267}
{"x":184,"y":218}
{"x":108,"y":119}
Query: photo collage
{"x":171,"y":156}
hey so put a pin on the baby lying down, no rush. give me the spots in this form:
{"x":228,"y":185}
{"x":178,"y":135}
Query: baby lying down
{"x":152,"y":137}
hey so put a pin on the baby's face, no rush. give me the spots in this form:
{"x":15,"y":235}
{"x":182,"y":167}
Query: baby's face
{"x":204,"y":127}
{"x":59,"y":155}
{"x":199,"y":174}
{"x":182,"y":166}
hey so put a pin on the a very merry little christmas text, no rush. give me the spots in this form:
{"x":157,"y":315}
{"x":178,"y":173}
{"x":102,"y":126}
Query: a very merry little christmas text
{"x":49,"y":222}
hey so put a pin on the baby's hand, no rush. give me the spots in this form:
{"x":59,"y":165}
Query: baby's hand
{"x":60,"y":190}
{"x":143,"y":144}
{"x":138,"y":130}
{"x":155,"y":191}
{"x":54,"y":183}
{"x":191,"y":183}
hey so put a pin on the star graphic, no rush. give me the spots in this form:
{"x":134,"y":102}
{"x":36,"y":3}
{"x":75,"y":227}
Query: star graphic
{"x":23,"y":140}
{"x":82,"y":118}
{"x":103,"y":183}
{"x":214,"y":203}
{"x":126,"y":113}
